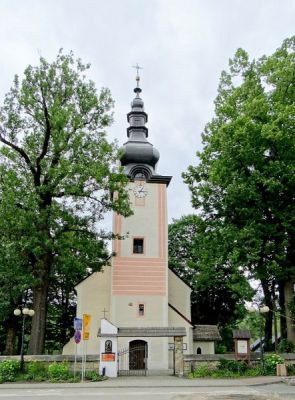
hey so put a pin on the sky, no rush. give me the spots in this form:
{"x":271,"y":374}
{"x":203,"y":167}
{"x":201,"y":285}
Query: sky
{"x":182,"y":45}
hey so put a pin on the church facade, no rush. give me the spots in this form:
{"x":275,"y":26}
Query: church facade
{"x":145,"y":300}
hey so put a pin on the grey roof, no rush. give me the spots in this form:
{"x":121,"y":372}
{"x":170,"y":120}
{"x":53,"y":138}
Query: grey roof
{"x":137,"y":151}
{"x":206,"y":333}
{"x":241,"y":334}
{"x":149,"y":332}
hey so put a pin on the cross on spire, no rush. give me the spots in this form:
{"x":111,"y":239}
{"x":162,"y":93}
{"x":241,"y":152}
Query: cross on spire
{"x":104,"y":313}
{"x":137,"y":73}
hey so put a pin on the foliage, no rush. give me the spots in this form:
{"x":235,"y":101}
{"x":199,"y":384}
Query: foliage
{"x":285,"y":346}
{"x":36,"y":371}
{"x":202,"y":371}
{"x":252,"y":321}
{"x":93,"y":376}
{"x":291,"y":369}
{"x":225,"y":369}
{"x":58,"y":174}
{"x":232,"y":365}
{"x":9,"y":370}
{"x":243,"y":186}
{"x":220,"y":348}
{"x":198,"y":257}
{"x":270,"y":363}
{"x":58,"y":371}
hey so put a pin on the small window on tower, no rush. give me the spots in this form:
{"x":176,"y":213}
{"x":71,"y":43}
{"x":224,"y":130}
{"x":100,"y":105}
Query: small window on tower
{"x":141,"y":310}
{"x":138,"y":246}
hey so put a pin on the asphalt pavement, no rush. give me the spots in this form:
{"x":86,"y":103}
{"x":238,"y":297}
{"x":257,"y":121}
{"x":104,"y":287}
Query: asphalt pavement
{"x":154,"y":388}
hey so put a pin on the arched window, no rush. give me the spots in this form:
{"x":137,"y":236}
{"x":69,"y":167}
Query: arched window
{"x":199,"y":350}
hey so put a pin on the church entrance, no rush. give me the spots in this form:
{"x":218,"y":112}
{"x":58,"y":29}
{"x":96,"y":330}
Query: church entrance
{"x":133,"y":360}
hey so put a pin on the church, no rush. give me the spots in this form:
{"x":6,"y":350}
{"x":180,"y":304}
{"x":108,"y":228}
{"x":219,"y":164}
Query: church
{"x":147,"y":303}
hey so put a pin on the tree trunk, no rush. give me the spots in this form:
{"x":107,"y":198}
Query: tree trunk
{"x":40,"y":294}
{"x":268,"y":316}
{"x":282,"y":310}
{"x":11,"y":331}
{"x":289,"y":294}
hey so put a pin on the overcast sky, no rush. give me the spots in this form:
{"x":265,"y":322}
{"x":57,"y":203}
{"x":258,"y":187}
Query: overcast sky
{"x":183,"y":45}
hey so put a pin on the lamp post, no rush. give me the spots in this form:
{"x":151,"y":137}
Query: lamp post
{"x":24,"y":312}
{"x":261,"y":310}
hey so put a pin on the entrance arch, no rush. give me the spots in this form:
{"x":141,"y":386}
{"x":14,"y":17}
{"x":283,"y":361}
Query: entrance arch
{"x":138,"y":352}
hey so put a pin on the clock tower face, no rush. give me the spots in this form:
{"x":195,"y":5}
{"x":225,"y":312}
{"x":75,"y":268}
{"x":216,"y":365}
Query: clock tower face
{"x":140,"y":191}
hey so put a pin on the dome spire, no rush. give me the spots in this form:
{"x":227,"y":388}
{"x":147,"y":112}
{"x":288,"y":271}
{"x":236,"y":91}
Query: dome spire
{"x":137,"y":90}
{"x":138,"y":153}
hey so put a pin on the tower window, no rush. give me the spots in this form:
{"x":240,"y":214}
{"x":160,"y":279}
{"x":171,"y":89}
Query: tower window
{"x":141,"y":310}
{"x":138,"y":246}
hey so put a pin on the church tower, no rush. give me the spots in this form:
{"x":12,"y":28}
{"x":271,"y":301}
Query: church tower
{"x":147,"y":303}
{"x":140,"y":270}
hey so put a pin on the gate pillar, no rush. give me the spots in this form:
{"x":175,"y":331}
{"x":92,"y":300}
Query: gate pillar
{"x":108,"y":349}
{"x":178,"y":354}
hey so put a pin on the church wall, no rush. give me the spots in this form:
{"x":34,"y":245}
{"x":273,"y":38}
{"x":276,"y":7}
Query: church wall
{"x":126,"y":311}
{"x":93,"y":296}
{"x":179,"y":295}
{"x":175,"y":320}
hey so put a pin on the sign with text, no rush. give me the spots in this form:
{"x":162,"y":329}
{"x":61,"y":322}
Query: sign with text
{"x":108,"y":357}
{"x":242,"y":346}
{"x":86,"y":326}
{"x":78,"y":324}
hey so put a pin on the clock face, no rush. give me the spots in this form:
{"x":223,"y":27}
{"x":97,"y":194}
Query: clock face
{"x":140,"y":191}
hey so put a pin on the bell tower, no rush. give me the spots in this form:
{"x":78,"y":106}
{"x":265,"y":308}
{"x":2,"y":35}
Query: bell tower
{"x":139,"y":286}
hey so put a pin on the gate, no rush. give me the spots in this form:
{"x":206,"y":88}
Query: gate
{"x":133,"y":360}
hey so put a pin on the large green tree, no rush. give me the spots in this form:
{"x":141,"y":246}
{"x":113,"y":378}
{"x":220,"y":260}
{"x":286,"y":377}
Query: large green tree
{"x":199,"y":254}
{"x":58,"y":176}
{"x":245,"y":180}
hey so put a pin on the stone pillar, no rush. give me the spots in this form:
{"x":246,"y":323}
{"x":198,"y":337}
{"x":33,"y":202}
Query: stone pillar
{"x":178,"y":355}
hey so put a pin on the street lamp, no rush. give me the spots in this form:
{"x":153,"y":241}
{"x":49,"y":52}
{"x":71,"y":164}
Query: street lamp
{"x":260,"y":310}
{"x":24,"y":312}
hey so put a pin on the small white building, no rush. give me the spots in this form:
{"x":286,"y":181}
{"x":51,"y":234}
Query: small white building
{"x":204,"y":338}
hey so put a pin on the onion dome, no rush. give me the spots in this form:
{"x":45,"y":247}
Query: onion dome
{"x":139,"y":155}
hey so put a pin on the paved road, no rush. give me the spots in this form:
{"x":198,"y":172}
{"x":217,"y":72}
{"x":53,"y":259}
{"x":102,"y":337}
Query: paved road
{"x":151,"y":389}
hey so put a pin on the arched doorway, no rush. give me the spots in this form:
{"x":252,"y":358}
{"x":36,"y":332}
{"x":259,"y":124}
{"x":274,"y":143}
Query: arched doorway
{"x":138,"y":352}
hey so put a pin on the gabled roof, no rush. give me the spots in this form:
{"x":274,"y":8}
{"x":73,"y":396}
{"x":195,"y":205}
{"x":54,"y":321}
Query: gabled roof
{"x":158,"y":331}
{"x":241,"y":334}
{"x":206,"y":333}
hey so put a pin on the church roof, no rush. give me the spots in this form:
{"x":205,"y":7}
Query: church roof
{"x":206,"y":333}
{"x":139,"y":156}
{"x":158,"y":331}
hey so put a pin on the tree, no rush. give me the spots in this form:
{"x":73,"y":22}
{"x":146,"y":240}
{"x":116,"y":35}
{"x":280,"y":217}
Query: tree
{"x":58,"y":175}
{"x":245,"y":180}
{"x":199,"y":254}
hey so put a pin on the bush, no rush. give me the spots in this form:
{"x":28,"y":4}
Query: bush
{"x":270,"y":363}
{"x":9,"y":370}
{"x":204,"y":370}
{"x":59,"y":371}
{"x":93,"y":376}
{"x":232,"y":366}
{"x":291,"y":369}
{"x":220,"y":349}
{"x":285,"y":346}
{"x":36,"y":371}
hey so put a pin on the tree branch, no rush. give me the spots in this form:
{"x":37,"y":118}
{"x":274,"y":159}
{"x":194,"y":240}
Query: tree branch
{"x":24,"y":155}
{"x":47,"y":133}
